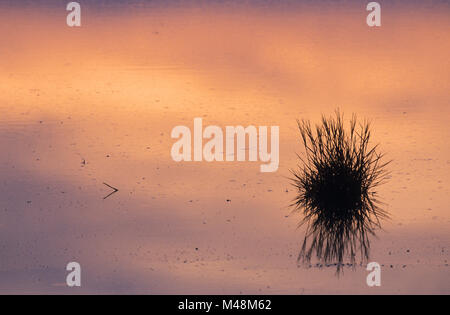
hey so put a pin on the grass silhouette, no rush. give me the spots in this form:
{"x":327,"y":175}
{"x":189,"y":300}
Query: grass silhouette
{"x":336,"y":194}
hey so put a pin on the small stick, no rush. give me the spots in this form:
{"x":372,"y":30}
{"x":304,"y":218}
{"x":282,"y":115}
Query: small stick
{"x":115,"y":190}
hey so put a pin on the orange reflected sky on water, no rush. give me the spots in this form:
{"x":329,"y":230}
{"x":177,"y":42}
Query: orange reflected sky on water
{"x":110,"y":94}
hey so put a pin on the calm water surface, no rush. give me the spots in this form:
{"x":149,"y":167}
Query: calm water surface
{"x":80,"y":107}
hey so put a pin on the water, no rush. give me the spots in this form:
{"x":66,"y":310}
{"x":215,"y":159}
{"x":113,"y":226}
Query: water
{"x":110,"y":93}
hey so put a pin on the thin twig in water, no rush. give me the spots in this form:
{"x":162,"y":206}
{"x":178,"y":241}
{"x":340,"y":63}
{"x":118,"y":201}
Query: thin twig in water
{"x":113,"y":188}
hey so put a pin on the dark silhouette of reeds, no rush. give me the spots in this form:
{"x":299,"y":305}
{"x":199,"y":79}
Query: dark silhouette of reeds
{"x":336,"y":194}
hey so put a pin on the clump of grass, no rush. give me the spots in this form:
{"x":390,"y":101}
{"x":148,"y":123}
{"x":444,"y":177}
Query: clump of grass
{"x":336,"y":190}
